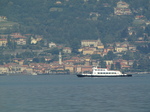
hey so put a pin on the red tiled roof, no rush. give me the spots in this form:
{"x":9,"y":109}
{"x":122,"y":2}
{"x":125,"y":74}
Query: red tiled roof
{"x":3,"y":39}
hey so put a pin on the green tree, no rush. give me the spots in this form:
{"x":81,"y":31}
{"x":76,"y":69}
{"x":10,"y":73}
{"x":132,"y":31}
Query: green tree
{"x":144,"y":63}
{"x":110,"y":56}
{"x":36,"y":60}
{"x":128,"y":56}
{"x":147,"y":30}
{"x":118,"y":65}
{"x":112,"y":67}
{"x":53,"y":51}
{"x":96,"y":57}
{"x":135,"y":65}
{"x":102,"y":64}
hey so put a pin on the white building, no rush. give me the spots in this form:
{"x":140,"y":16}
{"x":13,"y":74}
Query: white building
{"x":52,"y":44}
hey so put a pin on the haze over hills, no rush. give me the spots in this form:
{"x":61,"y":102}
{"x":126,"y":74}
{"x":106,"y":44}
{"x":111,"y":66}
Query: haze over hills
{"x":70,"y":20}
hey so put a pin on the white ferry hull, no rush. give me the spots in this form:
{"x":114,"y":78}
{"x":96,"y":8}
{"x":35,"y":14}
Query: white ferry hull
{"x":103,"y":72}
{"x":81,"y":75}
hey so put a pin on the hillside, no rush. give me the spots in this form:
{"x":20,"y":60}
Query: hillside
{"x":72,"y":21}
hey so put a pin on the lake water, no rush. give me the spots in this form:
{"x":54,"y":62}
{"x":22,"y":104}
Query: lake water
{"x":68,"y":93}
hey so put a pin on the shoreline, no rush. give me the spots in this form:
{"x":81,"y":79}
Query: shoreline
{"x":137,"y":72}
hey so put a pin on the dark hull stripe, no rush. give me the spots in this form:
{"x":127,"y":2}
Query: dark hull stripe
{"x":104,"y":76}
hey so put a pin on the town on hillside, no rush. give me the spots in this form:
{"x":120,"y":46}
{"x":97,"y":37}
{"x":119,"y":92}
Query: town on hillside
{"x":34,"y":54}
{"x":41,"y":61}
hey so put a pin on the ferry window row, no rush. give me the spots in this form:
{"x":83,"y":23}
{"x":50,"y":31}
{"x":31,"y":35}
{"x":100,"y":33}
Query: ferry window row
{"x":106,"y":72}
{"x":100,"y":70}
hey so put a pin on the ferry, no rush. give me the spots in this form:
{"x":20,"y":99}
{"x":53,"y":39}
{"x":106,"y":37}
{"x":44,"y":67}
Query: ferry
{"x":103,"y":72}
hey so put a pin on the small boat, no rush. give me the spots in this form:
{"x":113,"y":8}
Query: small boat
{"x":103,"y":72}
{"x":3,"y":74}
{"x":33,"y":73}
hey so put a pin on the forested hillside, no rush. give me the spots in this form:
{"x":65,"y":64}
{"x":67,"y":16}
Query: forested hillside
{"x":69,"y":21}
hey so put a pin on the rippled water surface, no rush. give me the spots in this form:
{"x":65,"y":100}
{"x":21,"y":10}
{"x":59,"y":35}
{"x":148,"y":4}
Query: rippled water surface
{"x":68,"y":93}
